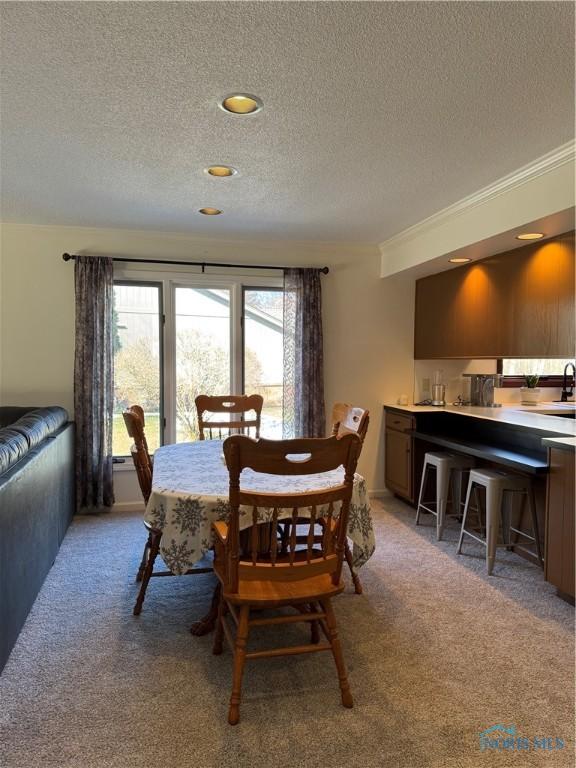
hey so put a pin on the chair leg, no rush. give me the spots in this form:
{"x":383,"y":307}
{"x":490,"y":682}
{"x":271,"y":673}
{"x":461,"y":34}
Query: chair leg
{"x":144,"y":560}
{"x":152,"y":554}
{"x":478,"y":502}
{"x":307,"y":609}
{"x":206,"y":624}
{"x":535,"y":527}
{"x":239,"y":661}
{"x":355,"y":577}
{"x":465,"y":516}
{"x":512,"y":503}
{"x":337,"y":652}
{"x":442,"y":490}
{"x":219,"y":632}
{"x":493,"y":517}
{"x":456,"y":479}
{"x":422,"y":487}
{"x":314,"y":627}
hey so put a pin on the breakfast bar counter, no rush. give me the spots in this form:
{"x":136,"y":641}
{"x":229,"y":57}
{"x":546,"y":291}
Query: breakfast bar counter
{"x":545,"y":417}
{"x":526,"y":440}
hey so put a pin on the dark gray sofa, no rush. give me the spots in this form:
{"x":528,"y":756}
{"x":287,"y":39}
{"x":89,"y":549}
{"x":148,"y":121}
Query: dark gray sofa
{"x":36,"y":506}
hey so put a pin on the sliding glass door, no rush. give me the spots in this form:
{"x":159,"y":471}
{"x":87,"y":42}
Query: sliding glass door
{"x":264,"y":354}
{"x":137,"y":339}
{"x":203,"y":345}
{"x":178,"y":338}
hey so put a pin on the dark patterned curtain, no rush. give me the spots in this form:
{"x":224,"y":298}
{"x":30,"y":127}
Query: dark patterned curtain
{"x":304,"y":414}
{"x":93,"y":383}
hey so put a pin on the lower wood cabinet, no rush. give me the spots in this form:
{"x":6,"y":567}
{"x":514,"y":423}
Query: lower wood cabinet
{"x":560,"y":510}
{"x":399,"y":454}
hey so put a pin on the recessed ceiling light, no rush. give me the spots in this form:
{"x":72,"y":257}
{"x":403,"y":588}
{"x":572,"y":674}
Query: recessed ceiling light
{"x":221,"y":171}
{"x":459,"y":260}
{"x":241,"y":104}
{"x":210,"y":211}
{"x":530,"y":236}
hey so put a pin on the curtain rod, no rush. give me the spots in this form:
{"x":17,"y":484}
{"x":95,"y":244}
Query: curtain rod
{"x":203,"y":264}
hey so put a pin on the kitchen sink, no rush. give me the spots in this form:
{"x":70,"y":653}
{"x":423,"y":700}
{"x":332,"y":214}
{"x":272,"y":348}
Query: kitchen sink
{"x":560,"y":410}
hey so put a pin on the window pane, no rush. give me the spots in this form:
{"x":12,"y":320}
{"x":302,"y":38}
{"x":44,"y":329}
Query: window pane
{"x":136,"y":361}
{"x":264,"y":354}
{"x":202,"y":352}
{"x":543,"y":367}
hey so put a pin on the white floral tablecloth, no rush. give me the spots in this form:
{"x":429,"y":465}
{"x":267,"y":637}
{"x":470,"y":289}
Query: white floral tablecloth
{"x":190,"y":492}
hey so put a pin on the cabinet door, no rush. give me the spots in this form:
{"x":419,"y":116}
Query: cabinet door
{"x":399,"y":463}
{"x":514,"y":304}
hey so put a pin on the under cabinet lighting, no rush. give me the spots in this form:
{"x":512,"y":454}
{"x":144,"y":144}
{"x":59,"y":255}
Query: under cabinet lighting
{"x":241,"y":104}
{"x":210,"y":211}
{"x":459,"y":260}
{"x":530,"y":236}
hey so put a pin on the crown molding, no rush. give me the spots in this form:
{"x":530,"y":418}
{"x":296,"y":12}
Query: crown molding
{"x":202,"y":241}
{"x":545,"y":164}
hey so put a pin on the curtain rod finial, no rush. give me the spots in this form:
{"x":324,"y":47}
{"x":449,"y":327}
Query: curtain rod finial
{"x":67,"y":257}
{"x":325,"y":270}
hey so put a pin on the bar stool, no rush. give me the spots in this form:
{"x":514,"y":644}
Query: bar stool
{"x":496,"y":485}
{"x":449,"y":467}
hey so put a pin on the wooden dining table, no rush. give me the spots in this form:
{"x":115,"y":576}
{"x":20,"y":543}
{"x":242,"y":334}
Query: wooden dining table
{"x":190,"y":492}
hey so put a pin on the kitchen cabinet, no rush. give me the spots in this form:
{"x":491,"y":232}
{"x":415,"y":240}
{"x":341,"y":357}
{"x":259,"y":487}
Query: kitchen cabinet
{"x":560,"y":511}
{"x":514,"y":304}
{"x":399,"y":454}
{"x":549,"y":460}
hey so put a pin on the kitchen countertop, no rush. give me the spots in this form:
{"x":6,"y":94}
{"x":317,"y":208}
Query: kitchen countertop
{"x":565,"y":443}
{"x":513,"y":414}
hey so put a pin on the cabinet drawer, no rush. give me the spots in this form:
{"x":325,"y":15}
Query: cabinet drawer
{"x":402,"y":422}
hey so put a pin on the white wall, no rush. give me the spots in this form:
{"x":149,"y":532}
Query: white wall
{"x":368,"y":322}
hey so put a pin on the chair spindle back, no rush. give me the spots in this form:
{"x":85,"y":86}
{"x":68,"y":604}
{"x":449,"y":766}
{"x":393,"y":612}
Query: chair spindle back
{"x":234,"y":406}
{"x":134,"y":420}
{"x":276,"y":558}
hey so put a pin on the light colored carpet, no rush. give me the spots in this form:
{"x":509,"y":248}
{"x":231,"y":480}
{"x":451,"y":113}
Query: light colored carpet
{"x":436,"y":652}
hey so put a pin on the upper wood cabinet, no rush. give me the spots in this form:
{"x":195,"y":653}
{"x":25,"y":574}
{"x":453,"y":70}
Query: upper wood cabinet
{"x":514,"y":304}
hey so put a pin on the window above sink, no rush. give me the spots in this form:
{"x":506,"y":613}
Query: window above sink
{"x":549,"y":369}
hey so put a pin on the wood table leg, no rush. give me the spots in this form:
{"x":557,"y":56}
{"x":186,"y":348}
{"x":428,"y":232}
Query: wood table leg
{"x":208,"y":622}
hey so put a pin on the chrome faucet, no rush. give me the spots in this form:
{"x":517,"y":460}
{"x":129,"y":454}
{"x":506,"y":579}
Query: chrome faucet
{"x":565,"y":393}
{"x":482,"y":389}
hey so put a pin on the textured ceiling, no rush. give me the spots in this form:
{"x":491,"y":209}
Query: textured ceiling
{"x":375,"y":115}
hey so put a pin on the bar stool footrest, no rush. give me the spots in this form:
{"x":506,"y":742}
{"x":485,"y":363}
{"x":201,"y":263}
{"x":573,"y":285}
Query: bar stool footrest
{"x":472,"y":536}
{"x":523,"y":533}
{"x":422,"y":506}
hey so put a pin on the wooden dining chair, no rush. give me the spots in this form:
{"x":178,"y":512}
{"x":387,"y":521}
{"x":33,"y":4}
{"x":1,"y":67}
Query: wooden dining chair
{"x":234,"y":406}
{"x":143,"y":463}
{"x":135,"y":423}
{"x":259,"y":574}
{"x":346,"y":420}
